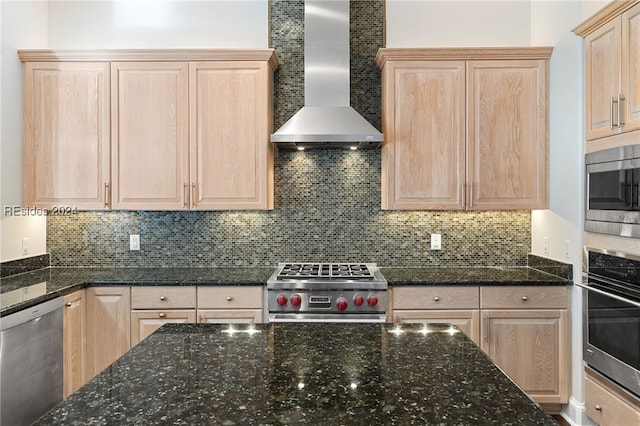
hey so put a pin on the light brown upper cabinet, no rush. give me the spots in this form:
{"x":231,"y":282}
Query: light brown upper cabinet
{"x":154,"y":130}
{"x":465,"y":129}
{"x":612,"y":70}
{"x":231,"y":113}
{"x":150,"y":135}
{"x":66,"y":134}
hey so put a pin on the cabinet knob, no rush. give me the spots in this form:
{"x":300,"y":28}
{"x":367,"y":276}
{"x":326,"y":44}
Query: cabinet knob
{"x":598,"y":408}
{"x":161,"y":315}
{"x":229,"y":298}
{"x":436,"y":298}
{"x":68,"y":304}
{"x":525,"y":298}
{"x":163,"y":298}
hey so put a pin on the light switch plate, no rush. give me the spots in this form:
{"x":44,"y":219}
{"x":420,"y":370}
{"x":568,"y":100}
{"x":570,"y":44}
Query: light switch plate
{"x":134,"y":242}
{"x":436,"y":241}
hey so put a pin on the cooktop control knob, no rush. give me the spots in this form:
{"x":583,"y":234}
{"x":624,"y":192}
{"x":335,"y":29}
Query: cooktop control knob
{"x":341,"y":304}
{"x":372,"y":300}
{"x":281,"y":299}
{"x":358,"y":300}
{"x":296,"y":300}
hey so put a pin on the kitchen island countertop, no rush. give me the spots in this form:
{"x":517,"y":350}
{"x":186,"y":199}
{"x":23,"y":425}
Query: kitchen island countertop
{"x":330,"y":374}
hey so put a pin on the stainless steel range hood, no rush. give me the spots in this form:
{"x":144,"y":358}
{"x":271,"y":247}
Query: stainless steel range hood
{"x":327,"y":120}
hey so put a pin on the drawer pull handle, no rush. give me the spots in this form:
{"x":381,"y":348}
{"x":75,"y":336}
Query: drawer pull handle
{"x":436,"y":298}
{"x":229,"y":298}
{"x":598,"y":408}
{"x":525,"y":298}
{"x":161,"y":314}
{"x":68,"y":304}
{"x":163,"y":298}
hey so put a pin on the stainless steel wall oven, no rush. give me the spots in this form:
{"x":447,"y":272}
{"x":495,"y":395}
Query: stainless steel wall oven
{"x":613,"y":191}
{"x":611,"y":315}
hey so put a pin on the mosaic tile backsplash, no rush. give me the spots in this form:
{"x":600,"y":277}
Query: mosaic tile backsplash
{"x":327,"y":202}
{"x":327,"y":208}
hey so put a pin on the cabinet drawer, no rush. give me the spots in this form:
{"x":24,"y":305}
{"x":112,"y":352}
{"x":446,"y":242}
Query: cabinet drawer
{"x":163,"y":297}
{"x":524,"y":297}
{"x":605,"y":408}
{"x":435,"y":297}
{"x":217,"y":297}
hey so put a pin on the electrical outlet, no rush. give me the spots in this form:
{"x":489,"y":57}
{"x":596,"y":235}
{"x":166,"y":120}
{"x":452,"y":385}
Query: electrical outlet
{"x":134,"y":242}
{"x":567,"y":248}
{"x":545,"y":246}
{"x":25,"y":245}
{"x":436,"y":241}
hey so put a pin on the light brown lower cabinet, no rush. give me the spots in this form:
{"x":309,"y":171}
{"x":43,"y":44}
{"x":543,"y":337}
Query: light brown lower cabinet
{"x":153,"y":306}
{"x":230,"y":304}
{"x":608,"y":404}
{"x":525,"y":331}
{"x":108,"y":326}
{"x":427,"y":304}
{"x":74,"y":342}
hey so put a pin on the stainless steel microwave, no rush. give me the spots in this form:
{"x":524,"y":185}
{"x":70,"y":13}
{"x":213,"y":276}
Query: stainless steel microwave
{"x":613,"y":191}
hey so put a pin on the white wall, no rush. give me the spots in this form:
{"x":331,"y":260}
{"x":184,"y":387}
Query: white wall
{"x":23,"y":25}
{"x":158,"y":24}
{"x":454,"y":23}
{"x":562,"y":222}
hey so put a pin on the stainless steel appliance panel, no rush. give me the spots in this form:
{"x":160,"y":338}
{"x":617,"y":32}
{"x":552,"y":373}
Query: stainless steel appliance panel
{"x":611,"y":316}
{"x":613,"y":191}
{"x":30,"y":363}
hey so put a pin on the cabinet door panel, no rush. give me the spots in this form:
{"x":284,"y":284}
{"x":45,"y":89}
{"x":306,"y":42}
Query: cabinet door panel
{"x":466,"y":320}
{"x":231,"y":157}
{"x":143,"y":323}
{"x":66,"y":134}
{"x":506,"y":134}
{"x":631,"y":68}
{"x":74,"y":345}
{"x":108,"y":330}
{"x":606,"y":407}
{"x":602,"y":79}
{"x":530,"y":346}
{"x":424,"y":157}
{"x":150,"y":135}
{"x":231,"y":316}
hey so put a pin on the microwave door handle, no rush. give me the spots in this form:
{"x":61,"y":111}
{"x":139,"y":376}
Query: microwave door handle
{"x":604,"y":293}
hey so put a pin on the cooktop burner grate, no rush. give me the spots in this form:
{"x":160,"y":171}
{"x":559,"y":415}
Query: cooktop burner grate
{"x":351,"y":271}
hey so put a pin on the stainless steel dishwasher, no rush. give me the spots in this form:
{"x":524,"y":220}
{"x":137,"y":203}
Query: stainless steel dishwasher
{"x":30,"y":362}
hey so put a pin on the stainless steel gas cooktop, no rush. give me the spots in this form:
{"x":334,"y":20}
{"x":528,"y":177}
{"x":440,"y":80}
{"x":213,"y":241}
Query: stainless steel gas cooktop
{"x":331,"y":292}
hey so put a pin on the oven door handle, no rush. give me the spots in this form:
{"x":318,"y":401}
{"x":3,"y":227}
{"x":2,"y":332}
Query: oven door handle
{"x":604,"y":293}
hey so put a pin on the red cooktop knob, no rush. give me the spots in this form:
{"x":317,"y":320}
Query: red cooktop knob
{"x":281,"y":299}
{"x":296,"y":300}
{"x":372,"y":300}
{"x":341,"y":304}
{"x":358,"y":300}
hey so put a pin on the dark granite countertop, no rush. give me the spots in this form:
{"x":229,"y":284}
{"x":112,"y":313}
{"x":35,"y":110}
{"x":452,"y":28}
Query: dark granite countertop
{"x":496,"y":275}
{"x":30,"y":288}
{"x":315,"y":374}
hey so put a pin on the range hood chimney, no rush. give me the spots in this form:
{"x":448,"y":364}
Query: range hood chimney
{"x":327,"y":119}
